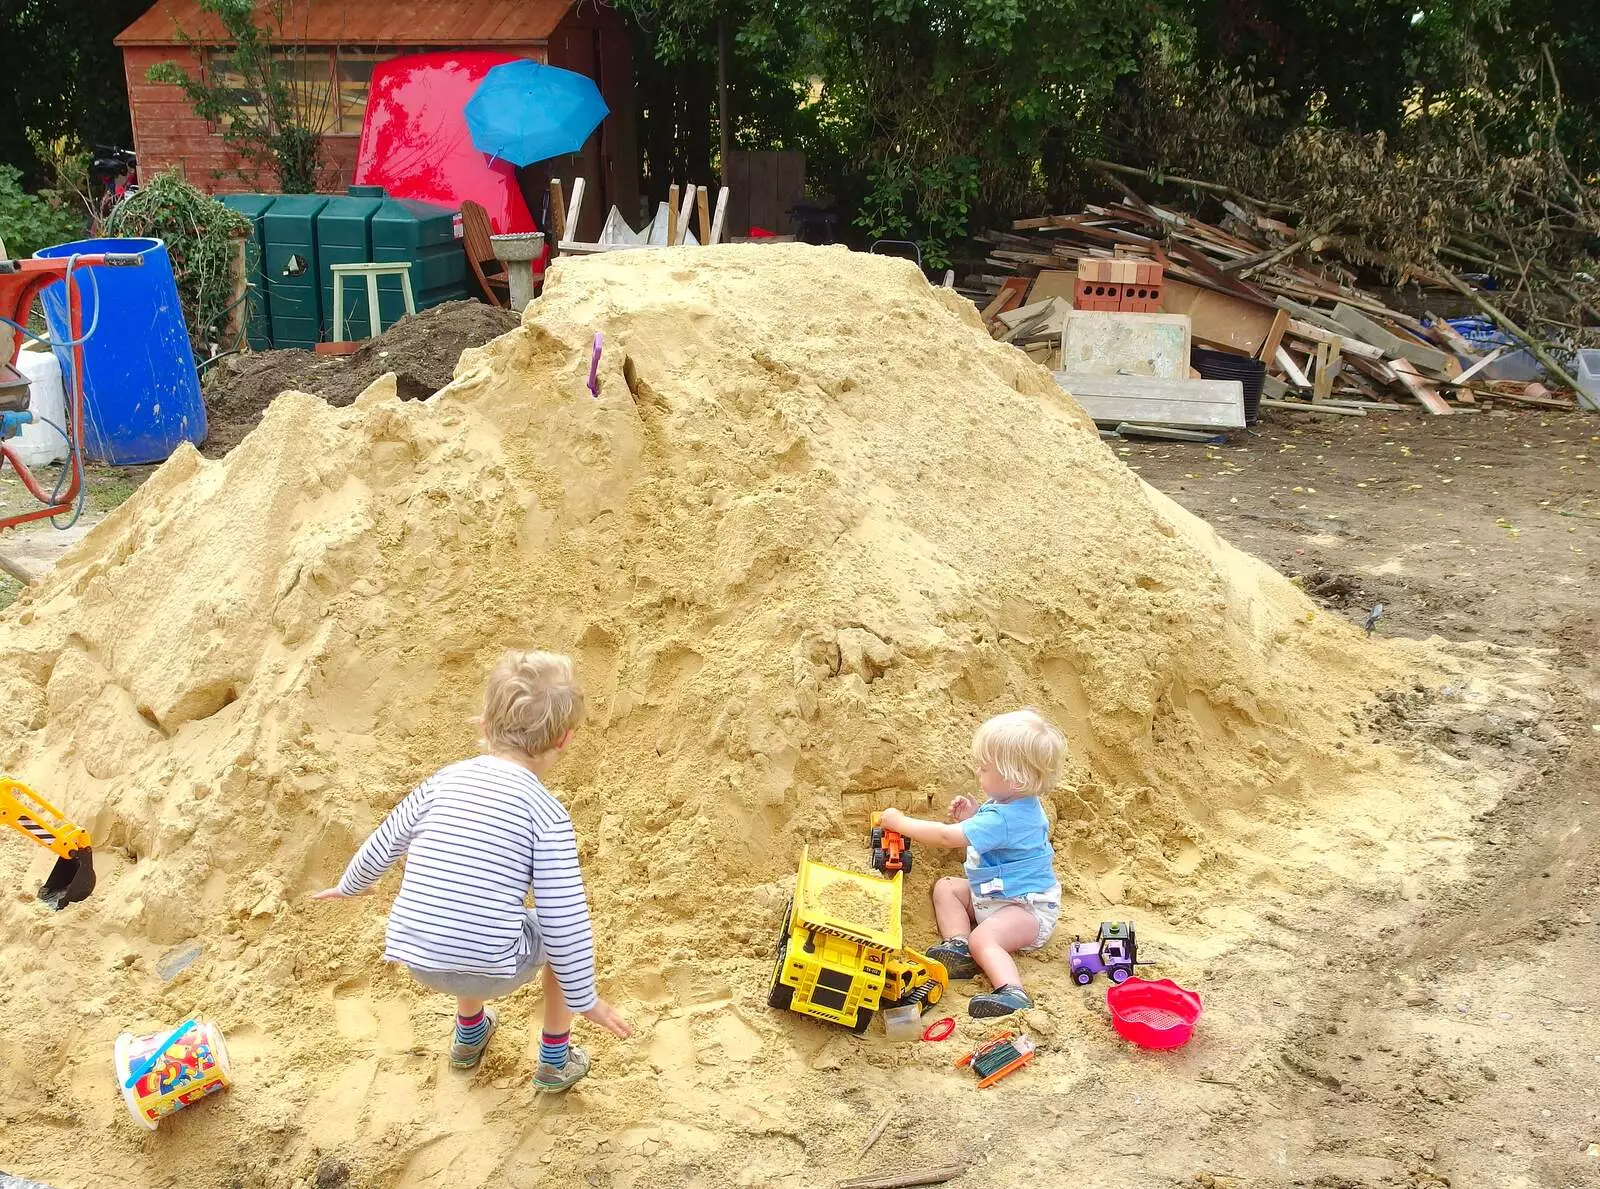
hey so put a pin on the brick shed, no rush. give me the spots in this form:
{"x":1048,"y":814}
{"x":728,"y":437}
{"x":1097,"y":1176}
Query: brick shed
{"x":336,"y":43}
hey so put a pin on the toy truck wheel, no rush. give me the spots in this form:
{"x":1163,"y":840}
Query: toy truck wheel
{"x":1083,"y":977}
{"x":863,"y":1020}
{"x":905,"y":860}
{"x":880,"y":858}
{"x":781,"y":994}
{"x":1120,"y":974}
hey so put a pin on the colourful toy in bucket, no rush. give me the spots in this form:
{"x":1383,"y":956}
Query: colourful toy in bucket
{"x":1154,"y":1015}
{"x":164,"y":1072}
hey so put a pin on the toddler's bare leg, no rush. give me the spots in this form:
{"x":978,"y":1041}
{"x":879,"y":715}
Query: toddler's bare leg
{"x":557,"y":1019}
{"x":468,"y":1007}
{"x":952,"y":907}
{"x":1002,"y":935}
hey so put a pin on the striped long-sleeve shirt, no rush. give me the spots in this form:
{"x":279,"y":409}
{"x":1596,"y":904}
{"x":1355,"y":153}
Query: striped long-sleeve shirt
{"x":477,"y":836}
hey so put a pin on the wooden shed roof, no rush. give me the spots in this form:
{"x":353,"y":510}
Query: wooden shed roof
{"x":445,"y":24}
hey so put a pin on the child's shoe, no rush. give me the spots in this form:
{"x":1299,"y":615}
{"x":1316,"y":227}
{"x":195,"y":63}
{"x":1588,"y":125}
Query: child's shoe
{"x":955,"y":957}
{"x":467,"y":1049}
{"x":551,"y":1079}
{"x":1001,"y":1001}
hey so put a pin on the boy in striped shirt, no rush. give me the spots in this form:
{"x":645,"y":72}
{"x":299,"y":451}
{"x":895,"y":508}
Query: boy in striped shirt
{"x":478,"y":835}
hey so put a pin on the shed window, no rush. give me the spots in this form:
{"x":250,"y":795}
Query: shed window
{"x":328,"y":85}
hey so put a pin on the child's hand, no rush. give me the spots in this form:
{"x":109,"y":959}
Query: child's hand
{"x":962,"y":808}
{"x":892,"y":819}
{"x":329,"y":894}
{"x":606,"y":1016}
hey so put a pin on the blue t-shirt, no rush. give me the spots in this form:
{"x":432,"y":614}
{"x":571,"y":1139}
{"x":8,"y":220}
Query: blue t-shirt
{"x":1008,"y":849}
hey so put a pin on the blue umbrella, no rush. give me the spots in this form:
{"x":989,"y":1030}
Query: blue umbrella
{"x":525,"y":111}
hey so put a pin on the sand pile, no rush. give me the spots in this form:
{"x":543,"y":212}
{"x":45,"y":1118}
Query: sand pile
{"x":815,"y":528}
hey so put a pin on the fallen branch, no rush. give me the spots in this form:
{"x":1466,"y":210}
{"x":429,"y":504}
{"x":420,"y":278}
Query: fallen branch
{"x":1511,"y":328}
{"x":926,"y":1176}
{"x":1152,"y":175}
{"x":21,"y":573}
{"x":876,"y":1132}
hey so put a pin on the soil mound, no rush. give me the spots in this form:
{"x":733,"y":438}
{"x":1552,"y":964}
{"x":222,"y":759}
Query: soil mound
{"x":813,"y":529}
{"x":420,"y":349}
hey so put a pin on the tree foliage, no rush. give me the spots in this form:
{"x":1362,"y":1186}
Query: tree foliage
{"x":63,"y":76}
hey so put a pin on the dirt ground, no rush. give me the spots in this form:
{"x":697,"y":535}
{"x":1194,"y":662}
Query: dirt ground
{"x":1441,"y":1037}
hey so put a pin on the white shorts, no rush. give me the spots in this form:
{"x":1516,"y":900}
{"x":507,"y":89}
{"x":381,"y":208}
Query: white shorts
{"x":1045,"y":907}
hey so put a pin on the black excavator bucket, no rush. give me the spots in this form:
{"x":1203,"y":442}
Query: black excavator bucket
{"x":71,"y":880}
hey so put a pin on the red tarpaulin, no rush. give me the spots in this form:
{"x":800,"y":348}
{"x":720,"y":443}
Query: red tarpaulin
{"x":414,"y":139}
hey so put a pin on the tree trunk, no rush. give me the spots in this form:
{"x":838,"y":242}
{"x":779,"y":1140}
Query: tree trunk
{"x":724,"y":116}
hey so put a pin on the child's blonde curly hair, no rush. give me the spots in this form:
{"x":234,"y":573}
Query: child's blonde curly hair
{"x":531,"y":701}
{"x":1026,"y":749}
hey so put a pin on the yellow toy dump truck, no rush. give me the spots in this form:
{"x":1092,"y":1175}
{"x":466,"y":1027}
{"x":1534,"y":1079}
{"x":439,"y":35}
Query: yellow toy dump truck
{"x":839,"y":954}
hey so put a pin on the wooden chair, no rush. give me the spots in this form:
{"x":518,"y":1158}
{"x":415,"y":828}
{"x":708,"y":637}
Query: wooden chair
{"x":475,"y":232}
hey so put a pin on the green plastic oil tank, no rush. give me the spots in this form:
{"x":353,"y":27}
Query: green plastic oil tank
{"x":344,"y":236}
{"x":254,"y":207}
{"x":423,"y":234}
{"x":294,"y":288}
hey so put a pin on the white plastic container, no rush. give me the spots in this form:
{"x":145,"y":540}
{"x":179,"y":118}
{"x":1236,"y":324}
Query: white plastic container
{"x":1587,"y":374}
{"x":39,"y":445}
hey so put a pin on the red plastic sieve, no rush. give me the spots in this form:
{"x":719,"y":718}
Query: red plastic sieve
{"x":1155,"y":1014}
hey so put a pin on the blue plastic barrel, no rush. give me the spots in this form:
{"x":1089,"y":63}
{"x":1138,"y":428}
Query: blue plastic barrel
{"x":141,"y":390}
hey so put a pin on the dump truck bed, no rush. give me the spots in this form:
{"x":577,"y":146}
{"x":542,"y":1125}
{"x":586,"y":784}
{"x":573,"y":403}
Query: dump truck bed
{"x":863,"y":907}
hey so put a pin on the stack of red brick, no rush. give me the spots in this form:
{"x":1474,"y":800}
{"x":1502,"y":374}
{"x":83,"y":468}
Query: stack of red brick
{"x":1131,"y":286}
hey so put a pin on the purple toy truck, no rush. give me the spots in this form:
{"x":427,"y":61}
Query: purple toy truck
{"x":1113,"y":953}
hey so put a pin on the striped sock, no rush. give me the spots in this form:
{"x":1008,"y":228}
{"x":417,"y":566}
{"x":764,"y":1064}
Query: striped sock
{"x":470,"y":1030}
{"x":553,"y":1049}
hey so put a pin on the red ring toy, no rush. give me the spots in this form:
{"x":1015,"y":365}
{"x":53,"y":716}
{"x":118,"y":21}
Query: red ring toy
{"x":940,"y":1029}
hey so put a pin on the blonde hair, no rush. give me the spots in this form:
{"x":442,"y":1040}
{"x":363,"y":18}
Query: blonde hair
{"x":531,"y":701}
{"x":1026,"y":749}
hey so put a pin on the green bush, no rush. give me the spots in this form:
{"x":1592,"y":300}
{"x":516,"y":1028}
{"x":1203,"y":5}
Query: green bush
{"x":29,"y":222}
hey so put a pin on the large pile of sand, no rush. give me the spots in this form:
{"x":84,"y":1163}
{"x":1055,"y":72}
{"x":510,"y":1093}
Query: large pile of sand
{"x":815,"y":527}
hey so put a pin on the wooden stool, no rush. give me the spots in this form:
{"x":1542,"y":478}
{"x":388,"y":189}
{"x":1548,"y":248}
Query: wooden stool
{"x":372,"y":272}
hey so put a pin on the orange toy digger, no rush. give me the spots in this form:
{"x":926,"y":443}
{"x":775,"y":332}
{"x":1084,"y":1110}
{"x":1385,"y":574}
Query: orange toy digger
{"x":891,"y":851}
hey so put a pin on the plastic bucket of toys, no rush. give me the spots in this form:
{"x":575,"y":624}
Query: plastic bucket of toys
{"x":163,"y":1072}
{"x":1153,"y":1015}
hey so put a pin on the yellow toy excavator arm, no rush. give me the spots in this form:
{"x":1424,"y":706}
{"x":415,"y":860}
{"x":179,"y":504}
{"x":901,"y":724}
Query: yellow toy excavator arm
{"x":28,"y":813}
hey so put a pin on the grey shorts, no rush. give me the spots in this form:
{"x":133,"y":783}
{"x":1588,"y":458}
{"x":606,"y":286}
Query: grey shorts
{"x":488,"y":986}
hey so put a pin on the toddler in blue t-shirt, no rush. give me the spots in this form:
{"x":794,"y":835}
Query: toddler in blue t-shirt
{"x":1010,"y":900}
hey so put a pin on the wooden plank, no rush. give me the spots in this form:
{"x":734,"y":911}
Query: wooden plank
{"x":1480,"y":365}
{"x":1054,"y":282}
{"x":1424,"y":390}
{"x":1347,"y":345}
{"x":1364,"y":328}
{"x":1009,"y":297}
{"x":1280,"y":323}
{"x":1327,"y":369}
{"x":1219,"y":319}
{"x":672,"y":213}
{"x":719,"y":221}
{"x":1166,"y":433}
{"x":703,"y":206}
{"x":558,"y":211}
{"x":1300,"y":406}
{"x":1451,"y":337}
{"x":1149,"y":400}
{"x":1011,"y":319}
{"x":685,"y":213}
{"x":1292,"y":369}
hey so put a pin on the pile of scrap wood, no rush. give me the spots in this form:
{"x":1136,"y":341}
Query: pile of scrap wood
{"x":1256,"y":287}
